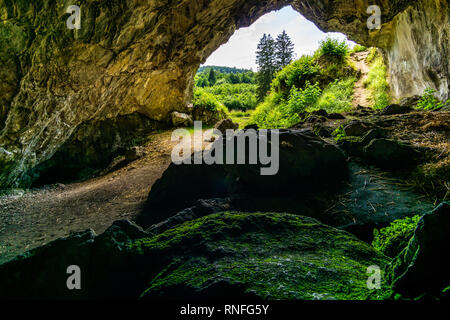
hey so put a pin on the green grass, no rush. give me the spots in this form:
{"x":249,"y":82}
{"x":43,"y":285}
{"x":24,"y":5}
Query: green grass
{"x":376,"y":82}
{"x":242,"y":118}
{"x":337,"y":97}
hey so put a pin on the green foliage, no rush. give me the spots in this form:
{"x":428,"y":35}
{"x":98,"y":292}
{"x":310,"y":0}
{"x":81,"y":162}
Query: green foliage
{"x":207,"y":101}
{"x":337,"y":97}
{"x":296,"y":74}
{"x":394,"y":238}
{"x":429,"y":101}
{"x":359,"y":48}
{"x":265,"y":59}
{"x":214,"y":75}
{"x":377,"y":83}
{"x":235,"y":96}
{"x":276,"y":112}
{"x":339,"y":133}
{"x":284,"y":52}
{"x":333,"y":48}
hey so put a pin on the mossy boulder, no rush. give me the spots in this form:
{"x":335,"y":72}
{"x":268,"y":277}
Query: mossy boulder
{"x":422,"y":267}
{"x":224,"y":255}
{"x":264,"y":255}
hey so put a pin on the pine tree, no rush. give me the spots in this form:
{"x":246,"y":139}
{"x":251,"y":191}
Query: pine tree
{"x":284,"y":50}
{"x":265,"y":59}
{"x":212,"y":77}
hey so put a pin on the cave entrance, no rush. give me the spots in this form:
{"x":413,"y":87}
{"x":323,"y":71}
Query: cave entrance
{"x":229,"y":76}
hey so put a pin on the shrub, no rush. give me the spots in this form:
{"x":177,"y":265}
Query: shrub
{"x":359,"y":48}
{"x":377,"y":84}
{"x":394,"y":238}
{"x":296,"y":74}
{"x":334,"y":48}
{"x":337,"y":97}
{"x":207,"y":101}
{"x":429,"y":101}
{"x":276,"y":112}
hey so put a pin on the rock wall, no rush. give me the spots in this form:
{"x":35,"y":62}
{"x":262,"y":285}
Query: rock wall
{"x":141,"y":56}
{"x":419,"y":53}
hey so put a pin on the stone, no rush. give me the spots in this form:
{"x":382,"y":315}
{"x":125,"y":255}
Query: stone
{"x":134,"y":153}
{"x":391,"y":154}
{"x":336,"y":116}
{"x":181,"y":119}
{"x":223,"y":255}
{"x":357,"y":128}
{"x":321,"y":130}
{"x":200,"y":209}
{"x":302,"y":157}
{"x":228,"y":254}
{"x":422,"y":267}
{"x":396,"y":109}
{"x":224,"y":125}
{"x":169,"y":195}
{"x":410,"y":101}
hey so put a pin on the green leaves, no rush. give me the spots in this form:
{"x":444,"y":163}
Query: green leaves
{"x":394,"y":238}
{"x":334,"y":48}
{"x":429,"y":101}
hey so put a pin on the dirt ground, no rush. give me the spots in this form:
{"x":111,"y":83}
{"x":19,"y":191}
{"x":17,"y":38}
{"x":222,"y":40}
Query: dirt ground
{"x":30,"y":219}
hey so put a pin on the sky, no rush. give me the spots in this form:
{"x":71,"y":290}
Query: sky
{"x":239,"y":51}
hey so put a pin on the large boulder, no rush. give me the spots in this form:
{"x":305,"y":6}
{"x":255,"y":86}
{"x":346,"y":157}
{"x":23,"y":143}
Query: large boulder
{"x":305,"y":162}
{"x":391,"y":154}
{"x":422,"y":267}
{"x":225,"y":255}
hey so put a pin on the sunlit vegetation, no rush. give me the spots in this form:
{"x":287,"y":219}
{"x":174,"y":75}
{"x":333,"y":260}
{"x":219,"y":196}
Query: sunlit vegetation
{"x":324,"y":80}
{"x":376,"y":81}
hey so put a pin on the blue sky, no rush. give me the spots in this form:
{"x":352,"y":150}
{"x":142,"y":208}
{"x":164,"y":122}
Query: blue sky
{"x":239,"y":51}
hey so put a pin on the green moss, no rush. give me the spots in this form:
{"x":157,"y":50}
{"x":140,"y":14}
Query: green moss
{"x":394,"y":238}
{"x":276,"y":256}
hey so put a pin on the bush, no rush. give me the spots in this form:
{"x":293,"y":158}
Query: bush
{"x":359,"y":48}
{"x":235,"y":96}
{"x":276,"y":112}
{"x":205,"y":100}
{"x":338,"y":96}
{"x":296,"y":74}
{"x":429,"y":101}
{"x":376,"y":82}
{"x":334,"y":48}
{"x":394,"y":238}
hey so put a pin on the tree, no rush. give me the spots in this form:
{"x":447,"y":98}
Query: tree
{"x":212,"y":77}
{"x":265,"y":59}
{"x":284,"y":50}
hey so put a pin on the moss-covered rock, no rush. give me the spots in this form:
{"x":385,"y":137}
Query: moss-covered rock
{"x":224,"y":255}
{"x":422,"y":267}
{"x":395,"y":237}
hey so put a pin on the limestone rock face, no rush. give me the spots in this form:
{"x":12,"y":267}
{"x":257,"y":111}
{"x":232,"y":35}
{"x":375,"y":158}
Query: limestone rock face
{"x":141,"y":56}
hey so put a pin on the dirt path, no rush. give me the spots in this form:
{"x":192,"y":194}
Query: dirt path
{"x":30,"y":219}
{"x":361,"y":94}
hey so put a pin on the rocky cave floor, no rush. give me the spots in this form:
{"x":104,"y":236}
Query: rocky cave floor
{"x":375,"y":192}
